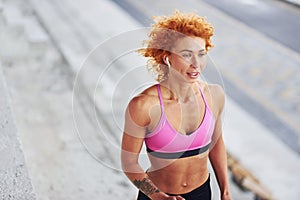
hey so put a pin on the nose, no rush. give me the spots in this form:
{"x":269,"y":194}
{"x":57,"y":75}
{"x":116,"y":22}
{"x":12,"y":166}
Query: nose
{"x":195,"y":62}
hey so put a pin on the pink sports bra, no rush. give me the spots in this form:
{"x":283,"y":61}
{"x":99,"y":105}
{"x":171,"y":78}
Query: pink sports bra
{"x":165,"y":142}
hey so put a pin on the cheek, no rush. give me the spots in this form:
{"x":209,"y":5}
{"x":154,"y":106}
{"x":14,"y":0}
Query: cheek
{"x":203,"y":62}
{"x":183,"y":67}
{"x":183,"y":64}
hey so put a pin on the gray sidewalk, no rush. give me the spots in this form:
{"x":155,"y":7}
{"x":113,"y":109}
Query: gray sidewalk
{"x":60,"y":166}
{"x":293,"y":2}
{"x":120,"y":22}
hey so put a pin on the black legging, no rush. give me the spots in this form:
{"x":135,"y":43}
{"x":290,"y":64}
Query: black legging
{"x":201,"y":193}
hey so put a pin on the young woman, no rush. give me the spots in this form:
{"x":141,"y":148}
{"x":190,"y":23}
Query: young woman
{"x":178,"y":119}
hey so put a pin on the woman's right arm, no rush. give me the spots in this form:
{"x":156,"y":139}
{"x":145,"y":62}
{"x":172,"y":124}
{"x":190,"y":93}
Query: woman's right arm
{"x":130,"y":152}
{"x":136,"y":120}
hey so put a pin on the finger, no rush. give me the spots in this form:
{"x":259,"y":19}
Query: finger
{"x":179,"y":198}
{"x":171,"y":198}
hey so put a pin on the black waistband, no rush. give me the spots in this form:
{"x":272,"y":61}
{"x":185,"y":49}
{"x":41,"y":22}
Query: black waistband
{"x":175,"y":155}
{"x":205,"y":187}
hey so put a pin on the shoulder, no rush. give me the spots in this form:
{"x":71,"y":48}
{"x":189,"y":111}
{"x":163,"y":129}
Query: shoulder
{"x":218,"y":96}
{"x":139,"y":106}
{"x":145,"y":99}
{"x":217,"y":91}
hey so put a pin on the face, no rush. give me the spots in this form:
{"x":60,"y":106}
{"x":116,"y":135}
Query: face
{"x":187,"y":59}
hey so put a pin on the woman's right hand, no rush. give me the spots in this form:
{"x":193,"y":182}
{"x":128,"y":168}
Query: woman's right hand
{"x":179,"y":198}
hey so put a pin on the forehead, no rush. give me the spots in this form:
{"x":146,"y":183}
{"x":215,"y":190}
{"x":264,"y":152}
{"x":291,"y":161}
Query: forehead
{"x":190,"y":43}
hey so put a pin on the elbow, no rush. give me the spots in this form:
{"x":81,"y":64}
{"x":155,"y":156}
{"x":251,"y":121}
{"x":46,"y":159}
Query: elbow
{"x":130,"y":168}
{"x":128,"y":164}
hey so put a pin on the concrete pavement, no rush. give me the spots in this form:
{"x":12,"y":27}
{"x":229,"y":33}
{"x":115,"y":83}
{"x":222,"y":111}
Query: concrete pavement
{"x":293,"y":2}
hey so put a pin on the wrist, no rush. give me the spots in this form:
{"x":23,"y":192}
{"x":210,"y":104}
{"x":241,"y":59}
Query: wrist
{"x":225,"y":195}
{"x":224,"y":189}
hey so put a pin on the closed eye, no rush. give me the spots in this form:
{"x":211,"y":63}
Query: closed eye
{"x":202,"y":54}
{"x":186,"y":55}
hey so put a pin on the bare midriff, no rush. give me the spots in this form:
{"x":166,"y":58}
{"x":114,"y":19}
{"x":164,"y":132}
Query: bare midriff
{"x":179,"y":176}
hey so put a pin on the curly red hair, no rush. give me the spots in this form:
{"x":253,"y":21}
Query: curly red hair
{"x":166,"y":31}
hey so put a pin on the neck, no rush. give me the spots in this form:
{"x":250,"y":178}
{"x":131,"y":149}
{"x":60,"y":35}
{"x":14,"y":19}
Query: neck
{"x":180,"y":91}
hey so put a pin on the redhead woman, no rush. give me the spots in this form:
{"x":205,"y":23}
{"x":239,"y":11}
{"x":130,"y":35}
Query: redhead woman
{"x":179,"y":118}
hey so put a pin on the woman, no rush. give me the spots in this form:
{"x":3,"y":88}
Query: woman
{"x":179,"y":119}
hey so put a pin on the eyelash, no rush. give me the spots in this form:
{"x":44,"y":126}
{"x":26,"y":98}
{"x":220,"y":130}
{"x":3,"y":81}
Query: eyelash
{"x":189,"y":55}
{"x":186,"y":55}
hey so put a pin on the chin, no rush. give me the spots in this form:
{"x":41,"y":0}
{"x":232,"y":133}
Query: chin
{"x":192,"y":80}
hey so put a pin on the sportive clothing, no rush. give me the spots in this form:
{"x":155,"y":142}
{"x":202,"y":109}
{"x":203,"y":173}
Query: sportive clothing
{"x":165,"y":142}
{"x":201,"y":193}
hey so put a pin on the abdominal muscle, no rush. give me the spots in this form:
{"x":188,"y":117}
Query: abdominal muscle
{"x":178,"y":176}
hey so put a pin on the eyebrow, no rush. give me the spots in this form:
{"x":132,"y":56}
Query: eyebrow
{"x":190,"y":50}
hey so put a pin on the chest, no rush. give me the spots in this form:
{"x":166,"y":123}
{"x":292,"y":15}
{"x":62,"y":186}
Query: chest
{"x":185,"y":117}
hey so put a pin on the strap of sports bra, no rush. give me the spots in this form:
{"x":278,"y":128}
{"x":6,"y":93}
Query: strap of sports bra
{"x":202,"y":94}
{"x":160,"y":98}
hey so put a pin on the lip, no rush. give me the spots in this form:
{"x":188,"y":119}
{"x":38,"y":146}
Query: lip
{"x":193,"y":74}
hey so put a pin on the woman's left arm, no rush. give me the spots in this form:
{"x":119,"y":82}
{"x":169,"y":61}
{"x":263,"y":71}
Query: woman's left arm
{"x":217,"y":154}
{"x":218,"y":161}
